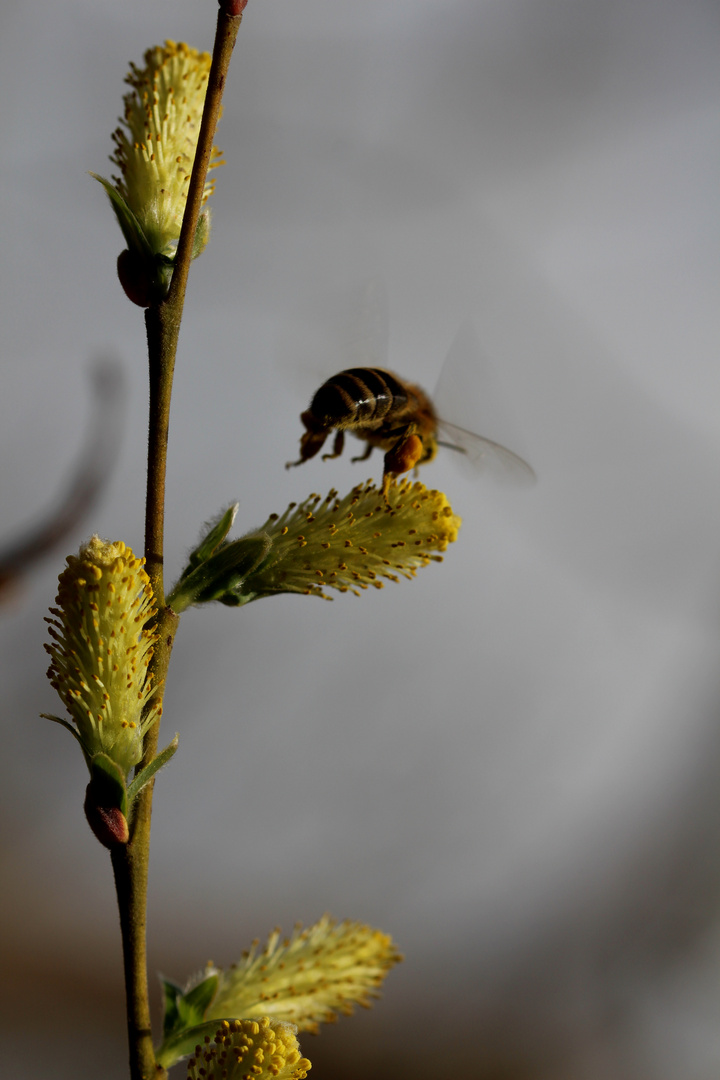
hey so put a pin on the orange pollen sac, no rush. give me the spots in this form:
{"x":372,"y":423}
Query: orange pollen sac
{"x":405,"y":455}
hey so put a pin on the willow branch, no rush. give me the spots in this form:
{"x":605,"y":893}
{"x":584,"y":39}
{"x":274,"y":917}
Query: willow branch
{"x":130,"y":863}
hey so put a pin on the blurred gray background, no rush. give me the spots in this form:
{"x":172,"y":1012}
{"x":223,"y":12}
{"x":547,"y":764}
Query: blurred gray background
{"x":512,"y":763}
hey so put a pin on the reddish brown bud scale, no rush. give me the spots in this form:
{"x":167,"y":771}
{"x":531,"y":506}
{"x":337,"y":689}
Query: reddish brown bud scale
{"x":134,"y":278}
{"x":233,"y":8}
{"x":108,"y":823}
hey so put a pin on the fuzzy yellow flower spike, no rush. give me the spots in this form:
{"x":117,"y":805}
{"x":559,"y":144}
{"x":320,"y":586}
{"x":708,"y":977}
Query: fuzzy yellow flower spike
{"x":352,"y":543}
{"x":101,"y":650}
{"x":348,"y":544}
{"x":310,"y":977}
{"x":155,"y":147}
{"x":260,"y":1049}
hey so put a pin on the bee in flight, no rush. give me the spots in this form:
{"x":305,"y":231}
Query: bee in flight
{"x":396,"y":416}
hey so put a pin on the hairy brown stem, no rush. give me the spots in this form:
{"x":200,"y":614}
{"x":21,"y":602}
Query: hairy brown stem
{"x":130,"y":863}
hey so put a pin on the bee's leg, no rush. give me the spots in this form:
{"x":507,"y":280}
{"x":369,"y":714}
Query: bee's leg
{"x":363,"y":457}
{"x":338,"y":443}
{"x":401,"y":433}
{"x":311,"y":440}
{"x":403,"y":456}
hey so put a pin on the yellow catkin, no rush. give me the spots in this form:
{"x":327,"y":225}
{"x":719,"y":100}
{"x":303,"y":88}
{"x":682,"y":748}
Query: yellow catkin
{"x":157,"y":138}
{"x":352,"y":548}
{"x":101,"y":648}
{"x":309,"y":977}
{"x":242,"y":1049}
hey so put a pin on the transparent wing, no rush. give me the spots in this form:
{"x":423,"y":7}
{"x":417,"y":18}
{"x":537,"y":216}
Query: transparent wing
{"x":332,"y":332}
{"x":470,"y":397}
{"x":367,"y":335}
{"x":485,"y":455}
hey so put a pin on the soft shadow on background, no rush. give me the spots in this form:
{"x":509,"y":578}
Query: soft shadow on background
{"x":512,"y":763}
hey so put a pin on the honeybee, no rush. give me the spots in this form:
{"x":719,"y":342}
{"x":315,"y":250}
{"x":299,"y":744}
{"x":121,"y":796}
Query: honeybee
{"x":394,"y":415}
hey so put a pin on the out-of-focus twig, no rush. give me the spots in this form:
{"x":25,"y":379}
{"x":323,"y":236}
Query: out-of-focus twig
{"x":86,"y":482}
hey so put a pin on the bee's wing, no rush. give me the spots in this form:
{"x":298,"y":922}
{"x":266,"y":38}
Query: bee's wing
{"x":468,"y":398}
{"x":486,"y":455}
{"x":367,"y":334}
{"x":333,"y":330}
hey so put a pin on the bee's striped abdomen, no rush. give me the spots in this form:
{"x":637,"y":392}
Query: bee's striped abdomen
{"x":358,"y":396}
